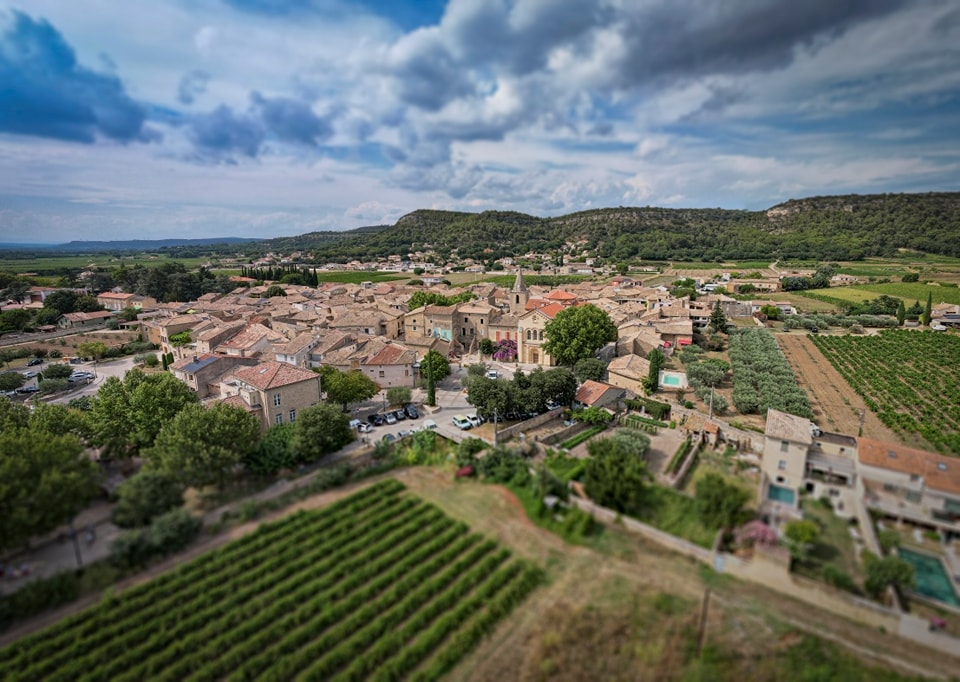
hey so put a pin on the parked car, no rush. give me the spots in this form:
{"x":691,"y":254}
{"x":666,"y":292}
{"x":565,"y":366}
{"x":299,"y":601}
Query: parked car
{"x":462,"y":422}
{"x":29,"y":374}
{"x":429,"y":424}
{"x":474,"y":420}
{"x":35,"y":362}
{"x":27,"y":389}
{"x":388,"y":437}
{"x":412,"y":411}
{"x":376,"y":419}
{"x":355,"y":424}
{"x":400,"y":415}
{"x":365,"y":427}
{"x":492,"y":374}
{"x":390,"y":418}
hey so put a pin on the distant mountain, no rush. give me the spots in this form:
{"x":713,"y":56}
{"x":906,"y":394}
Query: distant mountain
{"x":848,"y":227}
{"x":144,"y":244}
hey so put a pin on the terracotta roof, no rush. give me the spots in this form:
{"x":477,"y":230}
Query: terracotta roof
{"x":273,"y":374}
{"x":114,"y":295}
{"x":83,"y":317}
{"x":560,"y":295}
{"x":783,"y":426}
{"x":939,"y":472}
{"x":392,"y":354}
{"x":591,"y":391}
{"x":632,"y":366}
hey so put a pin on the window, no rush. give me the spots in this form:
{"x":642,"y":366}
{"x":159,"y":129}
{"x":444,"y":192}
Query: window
{"x":784,"y":446}
{"x":381,"y":374}
{"x":782,"y":464}
{"x":463,"y":331}
{"x":293,"y":416}
{"x":279,"y":418}
{"x":541,"y":335}
{"x":276,"y":400}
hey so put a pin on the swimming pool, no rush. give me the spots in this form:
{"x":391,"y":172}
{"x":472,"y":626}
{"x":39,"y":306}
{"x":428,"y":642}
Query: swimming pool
{"x":670,"y":380}
{"x":673,"y":379}
{"x":780,"y":494}
{"x":932,"y":578}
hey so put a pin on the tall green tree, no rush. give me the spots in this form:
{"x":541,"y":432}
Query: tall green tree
{"x":201,"y":446}
{"x":578,"y":332}
{"x":433,"y":368}
{"x":320,"y":430}
{"x":59,"y":420}
{"x":276,"y":451}
{"x":901,"y":312}
{"x":154,"y":402}
{"x":11,"y":381}
{"x":927,"y":310}
{"x":44,"y":481}
{"x":656,"y":358}
{"x":13,"y":415}
{"x":886,"y":572}
{"x":718,"y":321}
{"x":92,"y":349}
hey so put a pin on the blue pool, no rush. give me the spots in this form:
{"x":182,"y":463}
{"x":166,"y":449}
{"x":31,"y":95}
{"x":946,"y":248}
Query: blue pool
{"x":932,"y":578}
{"x":780,"y":494}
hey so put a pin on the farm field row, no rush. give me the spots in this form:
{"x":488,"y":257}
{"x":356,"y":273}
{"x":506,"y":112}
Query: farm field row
{"x":52,"y":264}
{"x":909,"y":379}
{"x":910,"y":292}
{"x":380,"y":585}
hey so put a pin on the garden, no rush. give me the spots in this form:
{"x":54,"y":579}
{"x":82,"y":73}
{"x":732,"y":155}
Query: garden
{"x":762,"y":377}
{"x":909,"y":379}
{"x":380,"y":585}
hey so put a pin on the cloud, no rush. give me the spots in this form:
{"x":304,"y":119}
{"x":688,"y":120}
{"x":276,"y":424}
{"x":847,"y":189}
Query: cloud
{"x":191,"y":85}
{"x":46,"y":93}
{"x":290,"y":120}
{"x":221,"y":133}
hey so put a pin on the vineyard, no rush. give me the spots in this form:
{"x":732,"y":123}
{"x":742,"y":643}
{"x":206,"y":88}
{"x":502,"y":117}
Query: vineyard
{"x":911,"y":380}
{"x":378,"y":586}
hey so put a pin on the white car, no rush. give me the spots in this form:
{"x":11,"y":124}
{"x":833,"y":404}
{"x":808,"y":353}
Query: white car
{"x":461,"y":422}
{"x":938,"y":327}
{"x":429,"y":424}
{"x":390,"y":418}
{"x":492,"y":374}
{"x":474,"y":420}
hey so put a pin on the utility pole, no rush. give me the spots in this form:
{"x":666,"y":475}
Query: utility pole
{"x":76,"y":545}
{"x":494,"y":427}
{"x":711,"y":402}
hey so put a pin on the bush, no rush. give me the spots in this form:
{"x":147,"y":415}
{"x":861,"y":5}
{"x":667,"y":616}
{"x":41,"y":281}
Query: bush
{"x":836,"y":577}
{"x":38,"y":596}
{"x":888,"y":539}
{"x":146,"y":496}
{"x":55,"y":354}
{"x":173,"y":531}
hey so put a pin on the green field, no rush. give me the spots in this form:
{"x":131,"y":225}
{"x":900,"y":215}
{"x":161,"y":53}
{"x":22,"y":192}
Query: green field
{"x":378,"y":586}
{"x":351,"y":277}
{"x":57,"y":265}
{"x":908,"y":291}
{"x":910,"y":379}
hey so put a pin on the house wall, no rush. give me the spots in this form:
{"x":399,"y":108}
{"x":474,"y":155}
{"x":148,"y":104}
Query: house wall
{"x":784,"y":462}
{"x":624,"y":381}
{"x":390,"y":375}
{"x":292,"y":397}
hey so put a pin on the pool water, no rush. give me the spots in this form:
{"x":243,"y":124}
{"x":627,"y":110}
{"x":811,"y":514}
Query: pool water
{"x":670,"y":380}
{"x":780,"y":494}
{"x":932,"y":578}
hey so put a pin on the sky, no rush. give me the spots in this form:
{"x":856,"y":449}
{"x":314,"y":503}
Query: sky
{"x":154,"y":119}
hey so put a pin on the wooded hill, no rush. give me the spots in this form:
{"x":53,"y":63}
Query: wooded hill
{"x":847,"y":227}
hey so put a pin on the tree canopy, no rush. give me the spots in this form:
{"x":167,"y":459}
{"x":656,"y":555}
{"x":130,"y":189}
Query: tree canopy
{"x":719,"y":504}
{"x":44,"y":481}
{"x":320,"y":430}
{"x":578,"y":332}
{"x":346,"y":387}
{"x":144,"y":496}
{"x":200,"y":446}
{"x":616,"y":475}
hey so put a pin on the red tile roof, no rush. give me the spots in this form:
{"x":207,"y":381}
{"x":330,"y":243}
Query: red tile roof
{"x":939,"y":472}
{"x":274,"y":374}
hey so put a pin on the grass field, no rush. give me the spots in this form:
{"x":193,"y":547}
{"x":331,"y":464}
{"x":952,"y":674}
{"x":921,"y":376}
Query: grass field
{"x":908,"y":291}
{"x":378,"y":586}
{"x":57,"y":264}
{"x":358,"y":277}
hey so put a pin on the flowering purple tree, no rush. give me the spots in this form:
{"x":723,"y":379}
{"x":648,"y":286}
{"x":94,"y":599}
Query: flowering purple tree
{"x":506,"y":350}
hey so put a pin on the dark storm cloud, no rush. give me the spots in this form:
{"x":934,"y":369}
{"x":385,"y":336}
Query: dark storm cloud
{"x":44,"y":92}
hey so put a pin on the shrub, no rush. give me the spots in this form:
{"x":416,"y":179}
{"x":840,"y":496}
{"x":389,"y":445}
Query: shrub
{"x":145,"y":496}
{"x":173,"y":531}
{"x":888,"y":539}
{"x":838,"y":578}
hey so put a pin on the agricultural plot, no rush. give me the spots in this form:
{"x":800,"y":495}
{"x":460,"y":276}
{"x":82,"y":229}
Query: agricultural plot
{"x":762,"y":377}
{"x":379,"y":586}
{"x":911,"y":380}
{"x":910,"y":292}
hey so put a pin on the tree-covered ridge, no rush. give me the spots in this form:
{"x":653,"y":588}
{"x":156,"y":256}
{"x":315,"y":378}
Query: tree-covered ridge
{"x":836,"y":228}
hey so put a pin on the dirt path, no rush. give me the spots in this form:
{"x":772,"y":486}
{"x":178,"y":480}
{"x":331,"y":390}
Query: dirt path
{"x":836,"y":407}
